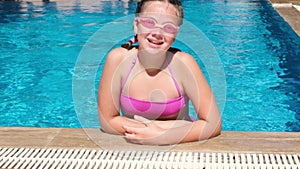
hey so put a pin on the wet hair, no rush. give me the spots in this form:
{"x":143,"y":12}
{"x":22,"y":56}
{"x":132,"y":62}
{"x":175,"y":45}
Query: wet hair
{"x":140,"y":8}
{"x":128,"y":44}
{"x":175,"y":3}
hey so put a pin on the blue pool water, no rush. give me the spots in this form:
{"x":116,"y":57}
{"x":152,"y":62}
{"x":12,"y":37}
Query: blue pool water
{"x":40,"y":44}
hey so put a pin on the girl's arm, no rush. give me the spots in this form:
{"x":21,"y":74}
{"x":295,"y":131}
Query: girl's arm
{"x":203,"y":100}
{"x":109,"y":92}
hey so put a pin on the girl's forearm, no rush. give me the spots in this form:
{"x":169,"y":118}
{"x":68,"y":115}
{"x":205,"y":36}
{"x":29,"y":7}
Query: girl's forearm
{"x":115,"y":125}
{"x":171,"y":123}
{"x":189,"y":131}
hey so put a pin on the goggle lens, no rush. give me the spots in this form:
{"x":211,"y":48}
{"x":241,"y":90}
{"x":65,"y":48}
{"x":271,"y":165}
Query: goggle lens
{"x":151,"y":23}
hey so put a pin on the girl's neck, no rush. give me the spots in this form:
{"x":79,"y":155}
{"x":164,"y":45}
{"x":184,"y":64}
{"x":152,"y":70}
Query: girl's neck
{"x":152,"y":63}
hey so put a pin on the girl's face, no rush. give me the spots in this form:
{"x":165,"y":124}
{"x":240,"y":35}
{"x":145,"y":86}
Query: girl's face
{"x":157,"y":26}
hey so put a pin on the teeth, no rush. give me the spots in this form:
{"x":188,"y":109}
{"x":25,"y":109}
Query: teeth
{"x":156,"y":43}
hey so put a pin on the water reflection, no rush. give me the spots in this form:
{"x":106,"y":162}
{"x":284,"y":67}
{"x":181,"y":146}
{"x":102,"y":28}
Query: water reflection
{"x":12,"y":10}
{"x":289,"y":61}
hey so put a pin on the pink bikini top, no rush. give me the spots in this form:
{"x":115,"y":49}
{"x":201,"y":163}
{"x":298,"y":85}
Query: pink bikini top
{"x":150,"y":109}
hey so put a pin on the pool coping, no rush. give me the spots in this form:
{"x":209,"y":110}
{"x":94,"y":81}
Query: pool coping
{"x":289,"y":10}
{"x":92,"y":138}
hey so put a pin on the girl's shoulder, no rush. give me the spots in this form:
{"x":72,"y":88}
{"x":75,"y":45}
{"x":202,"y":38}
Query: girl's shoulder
{"x":184,"y":58}
{"x":118,"y":55}
{"x":184,"y":63}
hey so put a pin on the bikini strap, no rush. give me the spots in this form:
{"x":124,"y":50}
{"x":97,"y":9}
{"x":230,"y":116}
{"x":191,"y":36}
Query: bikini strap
{"x":129,"y":71}
{"x":131,"y":67}
{"x":176,"y":84}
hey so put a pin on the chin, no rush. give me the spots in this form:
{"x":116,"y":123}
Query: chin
{"x":155,"y":50}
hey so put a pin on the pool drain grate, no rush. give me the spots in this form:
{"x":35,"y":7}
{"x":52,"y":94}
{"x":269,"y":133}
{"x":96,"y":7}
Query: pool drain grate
{"x":109,"y":159}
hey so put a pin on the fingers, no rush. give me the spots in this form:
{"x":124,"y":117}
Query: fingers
{"x":129,"y":129}
{"x":131,"y":135}
{"x":131,"y":138}
{"x":136,"y":134}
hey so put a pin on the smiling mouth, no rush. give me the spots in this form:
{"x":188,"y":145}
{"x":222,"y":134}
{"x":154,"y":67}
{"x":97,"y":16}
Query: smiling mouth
{"x":155,"y":42}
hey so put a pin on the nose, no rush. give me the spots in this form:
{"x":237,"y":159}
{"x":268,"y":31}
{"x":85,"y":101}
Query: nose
{"x":158,"y":30}
{"x":159,"y":26}
{"x":157,"y":34}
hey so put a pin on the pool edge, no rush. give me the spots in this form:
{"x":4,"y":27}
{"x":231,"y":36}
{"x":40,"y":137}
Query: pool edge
{"x":228,"y":141}
{"x":288,"y":11}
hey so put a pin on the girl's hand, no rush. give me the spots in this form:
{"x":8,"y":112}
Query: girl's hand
{"x":150,"y":133}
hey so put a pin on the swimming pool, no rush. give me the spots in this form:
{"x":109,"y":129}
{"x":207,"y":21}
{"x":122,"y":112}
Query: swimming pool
{"x":41,"y":42}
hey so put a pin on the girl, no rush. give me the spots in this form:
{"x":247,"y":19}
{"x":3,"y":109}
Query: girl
{"x":152,"y":83}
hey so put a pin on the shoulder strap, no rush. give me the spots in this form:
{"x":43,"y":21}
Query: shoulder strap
{"x":175,"y":82}
{"x":129,"y":71}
